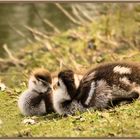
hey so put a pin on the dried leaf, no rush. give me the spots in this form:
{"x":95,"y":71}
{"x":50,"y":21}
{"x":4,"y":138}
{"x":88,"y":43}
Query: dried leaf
{"x":28,"y":121}
{"x":104,"y":114}
{"x":82,"y":119}
{"x":2,"y":87}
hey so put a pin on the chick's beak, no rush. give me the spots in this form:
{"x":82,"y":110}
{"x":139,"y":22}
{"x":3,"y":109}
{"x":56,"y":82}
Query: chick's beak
{"x":49,"y":88}
{"x":55,"y":86}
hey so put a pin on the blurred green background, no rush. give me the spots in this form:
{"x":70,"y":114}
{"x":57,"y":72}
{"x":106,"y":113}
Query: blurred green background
{"x":13,"y":18}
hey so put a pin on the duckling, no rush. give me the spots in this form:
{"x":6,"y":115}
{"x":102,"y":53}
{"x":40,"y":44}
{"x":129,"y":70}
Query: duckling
{"x":64,"y":94}
{"x":103,"y":87}
{"x":109,"y":85}
{"x":37,"y":99}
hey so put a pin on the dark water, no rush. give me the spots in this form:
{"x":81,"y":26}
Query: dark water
{"x":13,"y":17}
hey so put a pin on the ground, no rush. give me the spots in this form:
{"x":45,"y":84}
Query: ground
{"x":110,"y":38}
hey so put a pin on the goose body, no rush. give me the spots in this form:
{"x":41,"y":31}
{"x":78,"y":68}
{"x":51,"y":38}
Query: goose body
{"x":110,"y":84}
{"x":31,"y":103}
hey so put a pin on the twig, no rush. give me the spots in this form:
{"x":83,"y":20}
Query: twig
{"x":52,"y":25}
{"x":20,"y":33}
{"x":107,"y":41}
{"x":47,"y":45}
{"x":128,"y":56}
{"x":46,"y":21}
{"x":77,"y":14}
{"x":4,"y":61}
{"x":67,"y":14}
{"x":4,"y":64}
{"x":128,"y":42}
{"x":86,"y":15}
{"x":9,"y":53}
{"x":35,"y":31}
{"x":12,"y":60}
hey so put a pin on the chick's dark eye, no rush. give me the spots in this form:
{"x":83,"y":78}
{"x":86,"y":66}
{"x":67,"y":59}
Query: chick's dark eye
{"x":44,"y":84}
{"x":58,"y":83}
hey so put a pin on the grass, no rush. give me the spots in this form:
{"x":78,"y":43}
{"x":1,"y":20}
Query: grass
{"x":116,"y":38}
{"x":121,"y":121}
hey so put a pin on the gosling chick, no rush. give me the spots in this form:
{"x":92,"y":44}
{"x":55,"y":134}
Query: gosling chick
{"x":109,"y":85}
{"x":65,"y":93}
{"x":37,"y":99}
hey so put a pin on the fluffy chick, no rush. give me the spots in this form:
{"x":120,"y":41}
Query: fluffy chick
{"x":65,"y":93}
{"x":37,"y":99}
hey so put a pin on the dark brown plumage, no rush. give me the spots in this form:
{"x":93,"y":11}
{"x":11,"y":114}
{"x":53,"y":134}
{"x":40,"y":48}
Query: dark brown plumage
{"x":111,"y":74}
{"x":63,"y":96}
{"x":67,"y":76}
{"x":48,"y":102}
{"x":43,"y":74}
